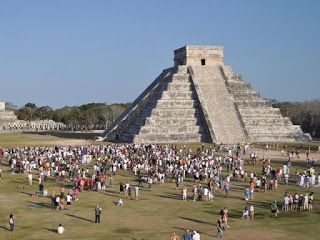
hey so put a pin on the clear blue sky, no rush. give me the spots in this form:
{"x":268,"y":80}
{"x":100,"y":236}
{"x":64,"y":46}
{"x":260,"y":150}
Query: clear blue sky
{"x":61,"y":53}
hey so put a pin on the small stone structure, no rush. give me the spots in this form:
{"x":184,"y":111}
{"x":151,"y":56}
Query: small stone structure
{"x":201,"y":100}
{"x":9,"y":122}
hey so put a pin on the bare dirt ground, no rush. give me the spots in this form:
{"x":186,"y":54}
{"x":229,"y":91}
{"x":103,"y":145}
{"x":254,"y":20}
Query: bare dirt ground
{"x":62,"y":142}
{"x":273,"y":154}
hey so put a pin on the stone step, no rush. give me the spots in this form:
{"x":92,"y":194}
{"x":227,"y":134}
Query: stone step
{"x":248,"y":94}
{"x":133,"y":129}
{"x":267,"y":121}
{"x":167,"y":138}
{"x":178,"y":86}
{"x":279,"y":137}
{"x":181,"y":69}
{"x":259,"y":111}
{"x":170,"y":113}
{"x":177,"y":95}
{"x":172,"y":104}
{"x":180,"y":78}
{"x":239,"y":86}
{"x":235,"y":78}
{"x":159,"y":121}
{"x":253,"y":103}
{"x":275,"y":129}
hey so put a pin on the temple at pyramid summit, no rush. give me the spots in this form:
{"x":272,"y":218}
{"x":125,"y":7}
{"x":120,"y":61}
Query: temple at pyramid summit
{"x":200,"y":99}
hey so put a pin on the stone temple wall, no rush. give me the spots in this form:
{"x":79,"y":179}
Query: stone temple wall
{"x":9,"y":122}
{"x":2,"y":106}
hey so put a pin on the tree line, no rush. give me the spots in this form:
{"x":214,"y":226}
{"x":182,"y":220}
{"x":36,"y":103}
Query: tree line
{"x":306,"y":114}
{"x":85,"y":117}
{"x":100,"y":115}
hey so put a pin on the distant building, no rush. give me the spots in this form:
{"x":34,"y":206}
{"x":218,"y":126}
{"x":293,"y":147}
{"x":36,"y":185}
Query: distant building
{"x":9,"y":122}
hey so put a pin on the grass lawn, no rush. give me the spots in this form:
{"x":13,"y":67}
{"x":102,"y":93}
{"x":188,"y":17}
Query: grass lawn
{"x":156,"y":215}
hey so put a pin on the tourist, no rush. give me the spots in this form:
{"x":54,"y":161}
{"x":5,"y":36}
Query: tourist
{"x":97,"y":212}
{"x":69,"y":199}
{"x":41,"y":189}
{"x":11,"y":222}
{"x":306,"y":202}
{"x":30,"y":178}
{"x":245,"y":211}
{"x":251,"y":211}
{"x":174,"y":237}
{"x":195,"y":235}
{"x":184,"y":194}
{"x":136,"y":192}
{"x":129,"y":193}
{"x":286,"y":200}
{"x":111,"y":184}
{"x":120,"y":203}
{"x":194,"y":192}
{"x":186,"y":235}
{"x":53,"y":198}
{"x":61,"y":229}
{"x":246,"y":194}
{"x":57,"y":202}
{"x":219,"y":229}
{"x":274,"y":209}
{"x":121,"y":188}
{"x":74,"y":194}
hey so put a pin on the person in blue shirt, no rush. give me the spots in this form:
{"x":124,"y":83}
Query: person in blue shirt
{"x":186,"y":235}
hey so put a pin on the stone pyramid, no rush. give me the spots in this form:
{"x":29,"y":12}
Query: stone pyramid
{"x":201,"y":100}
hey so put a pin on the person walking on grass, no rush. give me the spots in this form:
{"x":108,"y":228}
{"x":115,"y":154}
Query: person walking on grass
{"x":97,"y":212}
{"x":219,"y":228}
{"x":245,"y":211}
{"x":274,"y":209}
{"x":136,"y":192}
{"x":186,"y":235}
{"x":195,"y":236}
{"x":11,"y":222}
{"x":251,"y":211}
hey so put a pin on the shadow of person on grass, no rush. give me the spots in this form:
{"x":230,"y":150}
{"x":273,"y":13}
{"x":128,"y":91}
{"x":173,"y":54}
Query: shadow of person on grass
{"x":52,"y":230}
{"x":5,"y":228}
{"x":81,"y":218}
{"x":39,"y":205}
{"x":195,"y":220}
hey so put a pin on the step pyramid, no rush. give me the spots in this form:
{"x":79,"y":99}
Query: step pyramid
{"x":201,"y":100}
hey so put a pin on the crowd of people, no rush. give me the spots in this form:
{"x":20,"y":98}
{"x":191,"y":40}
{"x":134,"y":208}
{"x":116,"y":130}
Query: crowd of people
{"x":156,"y":164}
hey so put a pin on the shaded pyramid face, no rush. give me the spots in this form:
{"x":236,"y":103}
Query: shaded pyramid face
{"x":201,"y":100}
{"x":170,"y":113}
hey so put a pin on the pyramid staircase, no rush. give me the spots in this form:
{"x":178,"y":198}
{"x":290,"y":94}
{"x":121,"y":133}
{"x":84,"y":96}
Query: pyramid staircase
{"x":171,"y":114}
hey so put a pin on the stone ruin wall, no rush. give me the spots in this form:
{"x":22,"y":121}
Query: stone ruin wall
{"x":9,"y":122}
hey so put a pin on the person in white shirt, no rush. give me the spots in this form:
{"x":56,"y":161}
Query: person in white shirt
{"x":69,"y":199}
{"x":205,"y":194}
{"x":30,"y":178}
{"x":136,"y":192}
{"x":184,"y":194}
{"x":120,"y":203}
{"x":195,"y":236}
{"x":61,"y":229}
